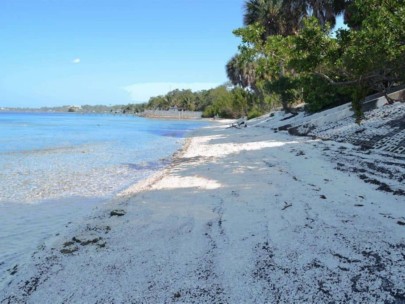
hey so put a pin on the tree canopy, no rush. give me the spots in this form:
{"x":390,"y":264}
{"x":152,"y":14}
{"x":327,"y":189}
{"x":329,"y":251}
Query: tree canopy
{"x":288,"y":50}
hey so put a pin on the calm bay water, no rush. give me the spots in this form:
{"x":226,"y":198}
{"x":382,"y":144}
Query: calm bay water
{"x":56,"y":167}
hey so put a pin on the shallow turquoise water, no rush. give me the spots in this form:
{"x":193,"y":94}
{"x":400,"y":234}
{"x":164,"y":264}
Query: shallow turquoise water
{"x":56,"y":167}
{"x":49,"y":155}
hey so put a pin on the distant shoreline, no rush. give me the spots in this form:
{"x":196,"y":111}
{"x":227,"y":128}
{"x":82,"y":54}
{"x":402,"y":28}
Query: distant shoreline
{"x":153,"y":114}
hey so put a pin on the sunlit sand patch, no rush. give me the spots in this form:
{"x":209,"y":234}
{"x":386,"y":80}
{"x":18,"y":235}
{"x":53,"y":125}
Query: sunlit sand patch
{"x":222,"y":150}
{"x":177,"y":182}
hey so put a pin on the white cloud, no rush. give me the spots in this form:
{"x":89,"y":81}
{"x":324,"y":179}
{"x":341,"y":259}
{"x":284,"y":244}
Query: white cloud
{"x":143,"y":91}
{"x":76,"y":60}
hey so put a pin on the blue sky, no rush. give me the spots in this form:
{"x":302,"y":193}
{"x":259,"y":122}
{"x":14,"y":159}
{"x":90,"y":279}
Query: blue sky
{"x":57,"y":52}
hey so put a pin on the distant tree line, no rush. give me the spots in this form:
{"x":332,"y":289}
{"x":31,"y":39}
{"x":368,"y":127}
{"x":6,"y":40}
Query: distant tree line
{"x":225,"y":101}
{"x":78,"y":109}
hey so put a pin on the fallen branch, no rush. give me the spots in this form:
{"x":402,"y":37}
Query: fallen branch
{"x":286,"y":205}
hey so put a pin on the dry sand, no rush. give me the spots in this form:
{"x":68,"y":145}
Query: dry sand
{"x":241,"y":216}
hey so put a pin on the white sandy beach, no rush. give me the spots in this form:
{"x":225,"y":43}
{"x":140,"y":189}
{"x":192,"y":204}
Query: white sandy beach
{"x":241,"y":216}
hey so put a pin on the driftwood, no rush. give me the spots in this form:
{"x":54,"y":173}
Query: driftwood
{"x":241,"y":122}
{"x":286,"y":205}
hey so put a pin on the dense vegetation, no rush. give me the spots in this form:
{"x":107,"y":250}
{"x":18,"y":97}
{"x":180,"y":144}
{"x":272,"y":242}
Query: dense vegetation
{"x":289,"y":51}
{"x":289,"y":54}
{"x":223,"y":101}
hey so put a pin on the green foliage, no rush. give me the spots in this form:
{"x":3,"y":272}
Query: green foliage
{"x":228,"y":103}
{"x":358,"y":94}
{"x":221,"y":101}
{"x":366,"y":59}
{"x":133,"y":108}
{"x":180,"y":99}
{"x":313,"y":48}
{"x":319,"y":93}
{"x":287,"y":88}
{"x":271,"y":57}
{"x":291,"y":60}
{"x":255,"y":112}
{"x":378,"y":46}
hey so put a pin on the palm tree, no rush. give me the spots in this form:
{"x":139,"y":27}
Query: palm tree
{"x":279,"y":17}
{"x":323,"y":10}
{"x":293,"y":14}
{"x":241,"y":71}
{"x":232,"y":71}
{"x":284,"y":17}
{"x":268,"y":13}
